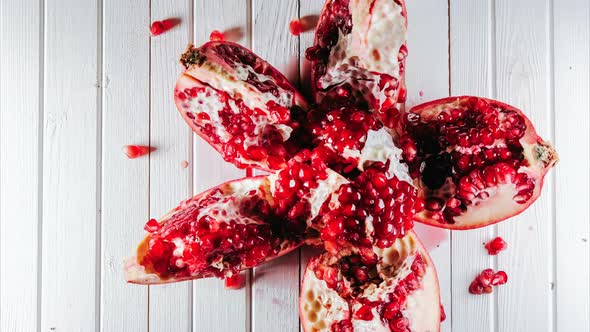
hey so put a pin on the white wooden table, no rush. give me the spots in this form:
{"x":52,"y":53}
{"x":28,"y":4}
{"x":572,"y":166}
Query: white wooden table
{"x":81,"y":78}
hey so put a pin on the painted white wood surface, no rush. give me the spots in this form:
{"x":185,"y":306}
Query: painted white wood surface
{"x":125,"y":185}
{"x":20,"y":143}
{"x":73,"y":205}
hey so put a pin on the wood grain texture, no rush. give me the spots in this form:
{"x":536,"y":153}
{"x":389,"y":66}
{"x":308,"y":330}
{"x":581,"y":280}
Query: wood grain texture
{"x":71,"y":165}
{"x":170,"y":306}
{"x":215,"y":308}
{"x":20,"y":68}
{"x":427,"y":77}
{"x":125,"y":183}
{"x":275,"y":285}
{"x":523,"y":80}
{"x":472,"y":65}
{"x":571,"y":35}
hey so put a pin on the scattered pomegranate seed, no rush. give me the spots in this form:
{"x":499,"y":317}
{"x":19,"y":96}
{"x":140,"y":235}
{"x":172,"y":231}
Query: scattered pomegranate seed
{"x":496,"y":245}
{"x":443,"y":315}
{"x":216,"y":35}
{"x":159,"y":27}
{"x":136,"y":151}
{"x":184,"y":164}
{"x":485,"y":280}
{"x":295,"y":27}
{"x":234,"y":282}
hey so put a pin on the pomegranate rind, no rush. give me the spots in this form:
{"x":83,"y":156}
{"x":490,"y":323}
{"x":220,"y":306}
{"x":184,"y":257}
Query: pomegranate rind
{"x":138,"y":273}
{"x":321,"y":306}
{"x":242,"y":80}
{"x":367,"y":56}
{"x":540,"y":155}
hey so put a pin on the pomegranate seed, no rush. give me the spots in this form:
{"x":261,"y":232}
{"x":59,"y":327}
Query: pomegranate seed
{"x":136,"y":151}
{"x":485,"y":277}
{"x":216,"y":35}
{"x":443,"y":315}
{"x":364,"y":313}
{"x":151,"y":226}
{"x":157,"y":28}
{"x":500,"y":278}
{"x":295,"y":27}
{"x":496,"y":245}
{"x":235,"y":281}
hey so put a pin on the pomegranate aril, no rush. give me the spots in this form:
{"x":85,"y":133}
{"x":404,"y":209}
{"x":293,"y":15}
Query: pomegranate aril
{"x":295,"y":27}
{"x":500,"y":278}
{"x":485,"y":277}
{"x":496,"y":245}
{"x":136,"y":151}
{"x":157,"y":28}
{"x":234,"y":282}
{"x":364,"y":313}
{"x":216,"y":35}
{"x":152,"y":225}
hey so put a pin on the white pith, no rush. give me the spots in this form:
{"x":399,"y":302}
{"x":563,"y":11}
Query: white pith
{"x":352,"y":59}
{"x":422,"y":306}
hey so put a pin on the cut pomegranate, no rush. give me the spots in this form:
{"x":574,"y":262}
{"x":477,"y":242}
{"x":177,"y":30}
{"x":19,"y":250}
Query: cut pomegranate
{"x":295,"y":27}
{"x":396,"y":291}
{"x":136,"y":151}
{"x":483,"y":283}
{"x":475,"y":161}
{"x":234,"y":282}
{"x":358,"y":57}
{"x":216,"y":233}
{"x":216,"y":35}
{"x":241,"y":105}
{"x":496,"y":245}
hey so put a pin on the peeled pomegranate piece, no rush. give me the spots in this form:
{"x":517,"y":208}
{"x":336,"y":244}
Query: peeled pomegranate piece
{"x":397,"y":290}
{"x":475,"y":161}
{"x":358,"y":57}
{"x":246,"y":109}
{"x":214,"y":234}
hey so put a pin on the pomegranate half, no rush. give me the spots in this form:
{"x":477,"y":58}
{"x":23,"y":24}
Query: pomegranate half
{"x":245,"y":108}
{"x":358,"y":56}
{"x":475,"y":161}
{"x":217,"y":233}
{"x":396,"y":290}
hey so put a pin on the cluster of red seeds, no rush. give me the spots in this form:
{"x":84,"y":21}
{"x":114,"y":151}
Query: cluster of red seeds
{"x":357,"y":271}
{"x":206,"y":239}
{"x":485,"y":280}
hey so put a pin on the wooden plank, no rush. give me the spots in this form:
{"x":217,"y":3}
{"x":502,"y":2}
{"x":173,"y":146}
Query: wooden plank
{"x":71,"y":167}
{"x":170,"y":306}
{"x":427,"y":77}
{"x":571,"y":42}
{"x":471,"y":74}
{"x":309,"y":12}
{"x":215,"y":308}
{"x":125,"y":183}
{"x":523,"y":80}
{"x":20,"y":156}
{"x":275,"y":285}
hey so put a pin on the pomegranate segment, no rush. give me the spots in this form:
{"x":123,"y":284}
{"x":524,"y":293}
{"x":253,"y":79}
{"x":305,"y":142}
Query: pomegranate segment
{"x":475,"y":161}
{"x":214,"y":234}
{"x":396,"y":291}
{"x":358,"y":57}
{"x":241,"y":105}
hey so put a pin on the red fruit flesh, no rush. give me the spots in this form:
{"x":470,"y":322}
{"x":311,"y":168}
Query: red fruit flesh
{"x":136,"y":151}
{"x":496,"y":245}
{"x":397,"y":291}
{"x":475,"y":161}
{"x":483,"y":283}
{"x":234,"y":282}
{"x":358,"y":57}
{"x":214,"y":234}
{"x":241,"y":105}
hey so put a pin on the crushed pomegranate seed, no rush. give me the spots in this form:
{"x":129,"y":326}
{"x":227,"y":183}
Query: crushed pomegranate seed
{"x":216,"y":35}
{"x":136,"y":151}
{"x":496,"y":245}
{"x":295,"y":27}
{"x":234,"y":281}
{"x":483,"y":283}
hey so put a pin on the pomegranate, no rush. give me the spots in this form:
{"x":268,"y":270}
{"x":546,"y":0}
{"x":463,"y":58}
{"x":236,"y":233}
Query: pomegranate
{"x":396,"y":290}
{"x":214,"y":234}
{"x":136,"y":151}
{"x":485,"y":280}
{"x":358,"y":56}
{"x":475,"y":161}
{"x":241,"y":105}
{"x":496,"y":245}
